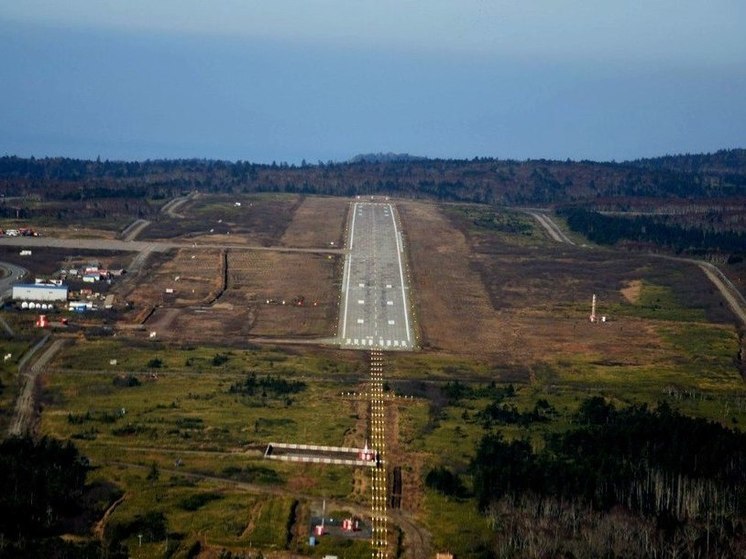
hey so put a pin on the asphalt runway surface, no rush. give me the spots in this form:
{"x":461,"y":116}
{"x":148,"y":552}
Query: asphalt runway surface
{"x":375,"y":309}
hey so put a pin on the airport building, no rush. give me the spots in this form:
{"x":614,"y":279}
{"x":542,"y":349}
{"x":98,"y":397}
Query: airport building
{"x":39,"y":292}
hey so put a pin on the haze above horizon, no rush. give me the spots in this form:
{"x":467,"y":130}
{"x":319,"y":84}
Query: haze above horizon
{"x":293,"y":80}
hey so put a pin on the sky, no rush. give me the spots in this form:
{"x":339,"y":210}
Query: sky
{"x":320,"y":80}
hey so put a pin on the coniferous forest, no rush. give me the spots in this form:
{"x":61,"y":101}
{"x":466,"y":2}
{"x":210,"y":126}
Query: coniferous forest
{"x":627,"y":482}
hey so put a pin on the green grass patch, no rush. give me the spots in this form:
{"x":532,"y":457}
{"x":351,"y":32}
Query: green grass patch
{"x":659,"y":302}
{"x":186,"y":410}
{"x":457,"y":527}
{"x":481,"y":218}
{"x":703,"y":343}
{"x":198,"y":500}
{"x":271,"y":527}
{"x":253,"y":474}
{"x":341,"y":547}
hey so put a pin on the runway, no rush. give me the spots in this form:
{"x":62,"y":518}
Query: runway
{"x":375,"y":302}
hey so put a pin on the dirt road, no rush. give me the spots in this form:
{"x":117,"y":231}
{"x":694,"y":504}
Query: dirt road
{"x":551,"y":227}
{"x":131,"y":232}
{"x":726,"y":288}
{"x":25,"y":414}
{"x":170,"y":207}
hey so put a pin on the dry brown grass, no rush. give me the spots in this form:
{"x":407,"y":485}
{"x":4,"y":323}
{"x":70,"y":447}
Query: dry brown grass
{"x":452,"y":306}
{"x":73,"y":232}
{"x":261,"y":219}
{"x":256,"y":277}
{"x":632,"y":292}
{"x":193,"y":274}
{"x":513,"y":304}
{"x":199,"y":310}
{"x":317,"y":223}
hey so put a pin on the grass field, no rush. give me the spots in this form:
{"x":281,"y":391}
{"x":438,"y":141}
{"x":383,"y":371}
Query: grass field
{"x":182,"y":419}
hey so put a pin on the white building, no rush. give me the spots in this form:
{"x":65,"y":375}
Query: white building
{"x":28,"y":292}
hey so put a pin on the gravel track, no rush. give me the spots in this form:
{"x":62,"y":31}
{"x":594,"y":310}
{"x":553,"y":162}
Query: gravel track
{"x":132,"y":231}
{"x":551,"y":227}
{"x":26,"y":409}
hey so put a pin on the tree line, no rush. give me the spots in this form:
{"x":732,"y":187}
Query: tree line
{"x":611,"y":229}
{"x":483,"y":180}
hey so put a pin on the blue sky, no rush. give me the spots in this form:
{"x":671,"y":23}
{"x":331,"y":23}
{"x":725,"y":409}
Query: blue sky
{"x":327,"y":79}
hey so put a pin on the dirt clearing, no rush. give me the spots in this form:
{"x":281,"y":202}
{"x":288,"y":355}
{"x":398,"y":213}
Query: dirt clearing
{"x":290,"y":294}
{"x":318,"y":222}
{"x":451,"y":304}
{"x":191,"y":277}
{"x":632,"y":292}
{"x":227,"y":296}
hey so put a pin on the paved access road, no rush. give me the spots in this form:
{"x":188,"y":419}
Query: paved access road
{"x":150,"y":246}
{"x":13,"y":274}
{"x":375,"y":309}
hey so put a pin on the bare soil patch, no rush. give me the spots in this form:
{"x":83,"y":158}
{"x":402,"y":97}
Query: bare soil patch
{"x":190,"y":277}
{"x":452,"y":307}
{"x":632,"y":292}
{"x":290,"y":294}
{"x":318,"y":222}
{"x":217,"y":296}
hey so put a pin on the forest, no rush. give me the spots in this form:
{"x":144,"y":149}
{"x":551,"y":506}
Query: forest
{"x":484,"y":180}
{"x":629,"y":482}
{"x":43,"y":495}
{"x":653,"y":231}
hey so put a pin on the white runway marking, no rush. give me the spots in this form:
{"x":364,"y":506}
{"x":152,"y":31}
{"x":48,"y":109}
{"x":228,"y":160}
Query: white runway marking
{"x":347,"y":272}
